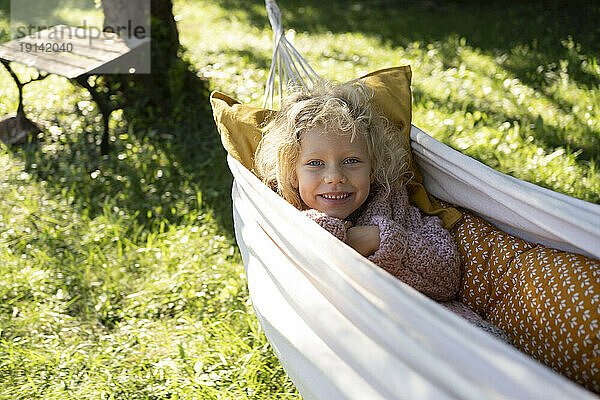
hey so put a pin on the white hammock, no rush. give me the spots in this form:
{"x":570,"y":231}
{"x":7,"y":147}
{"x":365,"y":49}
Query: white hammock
{"x":345,"y":329}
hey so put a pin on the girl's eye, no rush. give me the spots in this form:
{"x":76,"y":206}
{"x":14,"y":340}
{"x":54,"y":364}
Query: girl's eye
{"x":352,"y":161}
{"x":314,"y":163}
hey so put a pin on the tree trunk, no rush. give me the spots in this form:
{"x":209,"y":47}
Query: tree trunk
{"x":171,"y":92}
{"x":164,"y":34}
{"x":149,"y":88}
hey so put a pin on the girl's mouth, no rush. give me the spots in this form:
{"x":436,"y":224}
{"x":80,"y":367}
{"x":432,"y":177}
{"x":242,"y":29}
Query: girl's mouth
{"x":331,"y":196}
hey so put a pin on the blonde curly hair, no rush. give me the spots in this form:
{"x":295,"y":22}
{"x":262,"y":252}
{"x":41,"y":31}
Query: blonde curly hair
{"x":344,"y":108}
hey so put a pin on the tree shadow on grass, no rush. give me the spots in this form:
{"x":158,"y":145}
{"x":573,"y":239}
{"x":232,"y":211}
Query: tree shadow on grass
{"x":547,"y":133}
{"x":155,"y":174}
{"x":533,"y":41}
{"x":193,"y":160}
{"x":168,"y":175}
{"x":497,"y":26}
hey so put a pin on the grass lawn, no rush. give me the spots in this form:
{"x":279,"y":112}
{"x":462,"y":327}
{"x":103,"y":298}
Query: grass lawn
{"x":119,"y":275}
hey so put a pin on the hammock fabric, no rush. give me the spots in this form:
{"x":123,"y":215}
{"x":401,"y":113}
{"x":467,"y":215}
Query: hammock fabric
{"x":345,"y":329}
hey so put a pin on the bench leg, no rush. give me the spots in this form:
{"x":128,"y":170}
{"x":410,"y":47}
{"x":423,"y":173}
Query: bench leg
{"x":23,"y":127}
{"x":105,"y":110}
{"x":20,"y":108}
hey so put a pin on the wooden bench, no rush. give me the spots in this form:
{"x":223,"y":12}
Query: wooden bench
{"x":79,"y":55}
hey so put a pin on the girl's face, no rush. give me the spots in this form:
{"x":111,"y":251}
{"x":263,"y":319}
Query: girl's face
{"x":333,"y":174}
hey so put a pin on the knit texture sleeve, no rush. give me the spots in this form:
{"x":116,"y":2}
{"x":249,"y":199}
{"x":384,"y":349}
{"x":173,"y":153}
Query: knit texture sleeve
{"x":414,"y":248}
{"x":333,"y":225}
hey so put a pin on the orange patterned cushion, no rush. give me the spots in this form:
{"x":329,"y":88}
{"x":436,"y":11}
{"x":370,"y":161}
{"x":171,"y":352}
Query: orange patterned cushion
{"x":546,"y":300}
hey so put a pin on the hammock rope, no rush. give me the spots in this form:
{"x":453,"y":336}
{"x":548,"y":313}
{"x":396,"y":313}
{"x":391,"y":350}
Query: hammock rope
{"x":288,"y":67}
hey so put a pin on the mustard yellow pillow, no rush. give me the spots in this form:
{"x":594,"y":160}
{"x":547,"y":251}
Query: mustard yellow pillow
{"x":240,"y":127}
{"x":547,"y":301}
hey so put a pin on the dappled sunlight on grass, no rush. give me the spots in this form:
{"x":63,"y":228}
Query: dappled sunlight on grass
{"x":81,"y":17}
{"x":91,"y":294}
{"x":249,"y":53}
{"x":8,"y":93}
{"x":465,"y":96}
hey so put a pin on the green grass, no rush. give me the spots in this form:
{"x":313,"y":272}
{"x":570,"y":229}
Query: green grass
{"x":102,"y":296}
{"x":514,"y":86}
{"x":119,"y":275}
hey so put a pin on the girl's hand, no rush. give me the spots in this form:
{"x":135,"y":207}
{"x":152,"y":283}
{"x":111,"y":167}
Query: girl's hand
{"x":363,"y":238}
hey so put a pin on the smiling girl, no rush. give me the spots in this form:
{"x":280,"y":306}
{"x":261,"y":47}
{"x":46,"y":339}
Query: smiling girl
{"x":330,"y":155}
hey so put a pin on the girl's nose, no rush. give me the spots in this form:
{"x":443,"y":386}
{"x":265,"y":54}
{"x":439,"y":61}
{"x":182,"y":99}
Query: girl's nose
{"x":335,"y":175}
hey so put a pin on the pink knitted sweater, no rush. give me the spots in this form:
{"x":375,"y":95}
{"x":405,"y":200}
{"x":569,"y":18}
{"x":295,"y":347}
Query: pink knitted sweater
{"x":414,"y":248}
